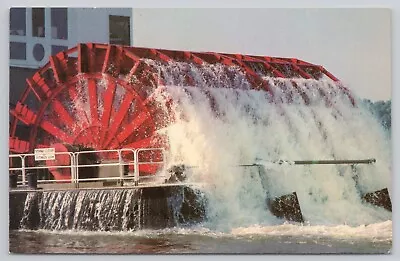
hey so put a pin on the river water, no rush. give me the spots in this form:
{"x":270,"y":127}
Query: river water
{"x":282,"y":239}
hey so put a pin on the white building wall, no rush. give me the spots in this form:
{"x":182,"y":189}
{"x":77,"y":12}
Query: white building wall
{"x":84,"y":25}
{"x":91,"y":24}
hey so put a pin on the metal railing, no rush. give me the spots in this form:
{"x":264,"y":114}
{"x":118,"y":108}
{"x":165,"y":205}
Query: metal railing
{"x":124,"y":157}
{"x":24,"y":168}
{"x":136,"y":170}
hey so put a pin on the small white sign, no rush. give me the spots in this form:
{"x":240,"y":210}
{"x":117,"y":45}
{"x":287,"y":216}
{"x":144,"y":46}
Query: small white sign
{"x":45,"y":154}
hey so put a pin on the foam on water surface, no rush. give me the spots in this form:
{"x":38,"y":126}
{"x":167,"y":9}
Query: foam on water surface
{"x":379,"y":232}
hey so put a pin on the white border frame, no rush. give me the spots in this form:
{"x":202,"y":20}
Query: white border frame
{"x":393,"y":4}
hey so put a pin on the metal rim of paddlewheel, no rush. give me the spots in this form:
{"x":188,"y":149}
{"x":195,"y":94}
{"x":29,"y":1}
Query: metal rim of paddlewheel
{"x":132,"y":119}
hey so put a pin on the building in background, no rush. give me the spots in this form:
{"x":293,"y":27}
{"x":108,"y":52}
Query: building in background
{"x":37,"y":33}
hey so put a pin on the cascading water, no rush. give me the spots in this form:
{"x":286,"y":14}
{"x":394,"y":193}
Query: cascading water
{"x":245,"y":126}
{"x":112,"y":209}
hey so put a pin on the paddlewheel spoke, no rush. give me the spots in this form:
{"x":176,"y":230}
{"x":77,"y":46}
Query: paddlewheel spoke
{"x":56,"y":132}
{"x":93,"y":101}
{"x":107,"y":108}
{"x":62,"y":112}
{"x":131,"y":127}
{"x":116,"y":123}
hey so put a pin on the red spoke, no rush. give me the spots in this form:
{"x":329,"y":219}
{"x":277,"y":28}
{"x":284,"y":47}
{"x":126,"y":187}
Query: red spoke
{"x":108,"y":99}
{"x":80,"y":114}
{"x":112,"y":60}
{"x":59,"y":65}
{"x":133,"y":70}
{"x":56,"y":132}
{"x":62,"y":112}
{"x":82,"y":122}
{"x":34,"y":89}
{"x":302,"y":72}
{"x":132,"y":126}
{"x":106,"y":59}
{"x":118,"y":118}
{"x":93,"y":101}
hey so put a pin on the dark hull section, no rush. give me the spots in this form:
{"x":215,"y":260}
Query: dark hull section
{"x":117,"y":209}
{"x":287,"y":207}
{"x":379,"y":198}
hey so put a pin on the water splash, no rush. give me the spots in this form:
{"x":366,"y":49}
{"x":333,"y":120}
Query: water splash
{"x":218,"y":128}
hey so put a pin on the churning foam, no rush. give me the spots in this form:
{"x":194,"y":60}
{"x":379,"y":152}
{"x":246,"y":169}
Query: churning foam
{"x":243,"y":126}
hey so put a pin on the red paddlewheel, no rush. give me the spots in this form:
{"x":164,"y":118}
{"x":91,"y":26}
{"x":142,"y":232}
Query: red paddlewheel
{"x":101,"y":97}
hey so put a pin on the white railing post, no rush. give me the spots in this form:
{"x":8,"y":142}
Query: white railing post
{"x":71,"y":156}
{"x":77,"y":169}
{"x":136,"y":170}
{"x":23,"y":170}
{"x":121,"y":167}
{"x":134,"y":165}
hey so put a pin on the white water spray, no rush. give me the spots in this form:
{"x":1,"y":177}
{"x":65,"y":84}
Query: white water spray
{"x":243,"y":127}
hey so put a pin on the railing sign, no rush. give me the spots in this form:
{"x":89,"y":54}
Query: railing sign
{"x":45,"y":154}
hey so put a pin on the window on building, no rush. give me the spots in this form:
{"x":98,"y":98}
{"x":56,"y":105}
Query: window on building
{"x":38,"y":22}
{"x":120,"y":30}
{"x":55,"y":49}
{"x":59,"y":23}
{"x":38,"y":52}
{"x":17,"y":51}
{"x":18,"y":21}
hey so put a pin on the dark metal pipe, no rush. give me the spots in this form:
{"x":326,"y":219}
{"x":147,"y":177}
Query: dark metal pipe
{"x":311,"y":162}
{"x":305,"y":162}
{"x":316,"y":162}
